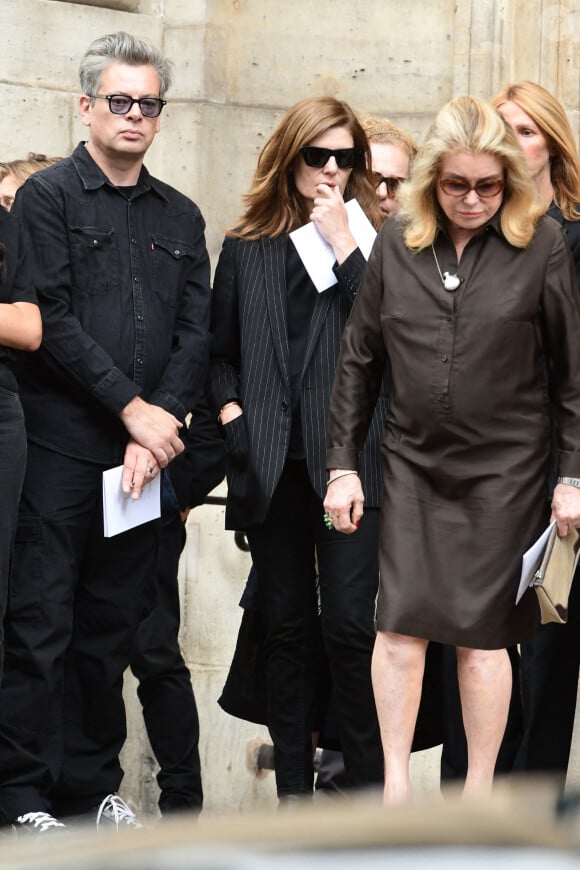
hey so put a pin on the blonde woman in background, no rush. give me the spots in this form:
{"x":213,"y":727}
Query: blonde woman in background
{"x":550,"y":663}
{"x":14,"y":173}
{"x":392,"y":152}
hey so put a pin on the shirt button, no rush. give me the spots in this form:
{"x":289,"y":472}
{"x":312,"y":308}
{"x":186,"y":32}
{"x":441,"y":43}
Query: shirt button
{"x":444,"y":358}
{"x":177,"y":253}
{"x":133,"y":241}
{"x":136,"y":280}
{"x":95,"y":242}
{"x":284,"y":406}
{"x":139,"y":317}
{"x":139,"y":361}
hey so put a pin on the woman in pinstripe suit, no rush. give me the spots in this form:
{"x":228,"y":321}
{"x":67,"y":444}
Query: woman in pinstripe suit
{"x":275,"y":342}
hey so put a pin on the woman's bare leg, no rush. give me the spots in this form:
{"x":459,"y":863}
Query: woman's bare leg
{"x":397,"y":673}
{"x":485,"y":681}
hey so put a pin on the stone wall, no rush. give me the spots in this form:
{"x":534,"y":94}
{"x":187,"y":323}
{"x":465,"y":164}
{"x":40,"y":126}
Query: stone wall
{"x":238,"y":65}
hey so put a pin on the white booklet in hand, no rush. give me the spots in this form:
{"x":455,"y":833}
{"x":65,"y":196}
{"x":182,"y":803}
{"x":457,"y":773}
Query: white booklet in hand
{"x":531,"y":561}
{"x":318,"y":256}
{"x":120,"y":511}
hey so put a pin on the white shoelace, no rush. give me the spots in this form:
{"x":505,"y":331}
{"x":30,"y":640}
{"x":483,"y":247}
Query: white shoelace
{"x":43,"y":821}
{"x":113,"y":807}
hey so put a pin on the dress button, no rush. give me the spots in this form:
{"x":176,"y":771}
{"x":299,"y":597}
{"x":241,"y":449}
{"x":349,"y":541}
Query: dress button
{"x":284,"y":406}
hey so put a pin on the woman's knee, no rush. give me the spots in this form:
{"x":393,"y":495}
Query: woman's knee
{"x":400,"y":648}
{"x":481,"y":660}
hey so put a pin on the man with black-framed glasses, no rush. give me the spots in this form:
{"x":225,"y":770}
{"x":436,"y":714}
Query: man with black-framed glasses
{"x":122,"y":273}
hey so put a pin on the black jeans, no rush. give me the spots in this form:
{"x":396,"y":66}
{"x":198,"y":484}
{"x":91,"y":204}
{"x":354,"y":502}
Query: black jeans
{"x":12,"y":465}
{"x":76,"y":600}
{"x":288,"y":550}
{"x":165,"y":690}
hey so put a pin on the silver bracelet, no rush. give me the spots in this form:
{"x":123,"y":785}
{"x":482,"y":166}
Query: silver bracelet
{"x":344,"y":474}
{"x":570,"y":481}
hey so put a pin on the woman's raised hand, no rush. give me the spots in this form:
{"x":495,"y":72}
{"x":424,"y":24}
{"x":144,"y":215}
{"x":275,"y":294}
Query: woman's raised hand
{"x":331,"y":219}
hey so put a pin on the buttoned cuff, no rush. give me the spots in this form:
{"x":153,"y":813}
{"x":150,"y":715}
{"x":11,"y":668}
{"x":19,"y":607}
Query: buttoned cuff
{"x":350,"y":271}
{"x":169,"y":403}
{"x":569,"y":464}
{"x":342,"y":457}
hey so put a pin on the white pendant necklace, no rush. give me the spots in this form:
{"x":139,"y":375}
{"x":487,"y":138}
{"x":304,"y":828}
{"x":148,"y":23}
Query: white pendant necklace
{"x":450,"y":282}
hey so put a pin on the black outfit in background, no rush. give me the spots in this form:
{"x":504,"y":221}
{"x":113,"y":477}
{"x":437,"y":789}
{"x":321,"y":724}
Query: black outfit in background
{"x":551,"y":661}
{"x":165,"y":689}
{"x":123,"y":286}
{"x":275,"y":342}
{"x":15,"y":286}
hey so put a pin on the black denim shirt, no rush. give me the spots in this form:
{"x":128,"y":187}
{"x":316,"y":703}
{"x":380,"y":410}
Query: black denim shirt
{"x":123,"y":285}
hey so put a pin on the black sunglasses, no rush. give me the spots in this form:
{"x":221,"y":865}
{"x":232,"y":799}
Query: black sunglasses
{"x":121,"y":104}
{"x":461,"y":187}
{"x":392,"y":182}
{"x":319,"y":157}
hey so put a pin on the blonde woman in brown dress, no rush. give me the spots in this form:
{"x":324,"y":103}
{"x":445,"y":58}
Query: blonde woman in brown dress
{"x":459,"y":298}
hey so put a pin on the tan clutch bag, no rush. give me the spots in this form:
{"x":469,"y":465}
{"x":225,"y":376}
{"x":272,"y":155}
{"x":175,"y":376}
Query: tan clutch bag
{"x":553,"y":579}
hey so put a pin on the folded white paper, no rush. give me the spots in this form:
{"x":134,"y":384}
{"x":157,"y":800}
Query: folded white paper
{"x":531,"y":561}
{"x":120,"y":511}
{"x":318,"y":256}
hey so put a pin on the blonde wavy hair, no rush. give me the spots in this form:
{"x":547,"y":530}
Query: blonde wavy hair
{"x":467,"y":123}
{"x":550,"y":116}
{"x":21,"y":169}
{"x":273,"y":204}
{"x":384,"y":132}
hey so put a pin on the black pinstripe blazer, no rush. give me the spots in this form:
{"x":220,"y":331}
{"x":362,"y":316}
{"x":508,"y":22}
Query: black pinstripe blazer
{"x":250,"y":363}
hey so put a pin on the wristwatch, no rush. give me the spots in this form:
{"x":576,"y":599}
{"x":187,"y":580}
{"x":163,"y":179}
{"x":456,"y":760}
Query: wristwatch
{"x":570,"y":481}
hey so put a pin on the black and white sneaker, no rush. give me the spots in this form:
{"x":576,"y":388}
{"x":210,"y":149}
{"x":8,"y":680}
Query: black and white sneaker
{"x":37,"y":823}
{"x":114,"y":811}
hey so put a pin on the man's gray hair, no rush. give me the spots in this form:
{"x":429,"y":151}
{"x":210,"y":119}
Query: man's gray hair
{"x":121,"y":47}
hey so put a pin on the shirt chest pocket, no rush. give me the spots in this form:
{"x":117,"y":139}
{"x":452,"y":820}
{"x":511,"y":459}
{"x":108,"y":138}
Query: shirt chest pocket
{"x":172,"y":262}
{"x":94,"y":260}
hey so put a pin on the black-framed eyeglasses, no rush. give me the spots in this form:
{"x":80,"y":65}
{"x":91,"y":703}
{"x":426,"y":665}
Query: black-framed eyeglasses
{"x":319,"y":157}
{"x":461,"y":187}
{"x":121,"y":104}
{"x":391,"y":182}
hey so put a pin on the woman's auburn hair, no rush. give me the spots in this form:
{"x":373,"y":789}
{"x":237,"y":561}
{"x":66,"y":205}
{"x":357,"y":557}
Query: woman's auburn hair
{"x":273,"y":205}
{"x":467,"y":123}
{"x":550,"y":117}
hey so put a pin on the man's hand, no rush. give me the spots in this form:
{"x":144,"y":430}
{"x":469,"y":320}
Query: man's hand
{"x":154,"y":428}
{"x":139,"y":467}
